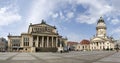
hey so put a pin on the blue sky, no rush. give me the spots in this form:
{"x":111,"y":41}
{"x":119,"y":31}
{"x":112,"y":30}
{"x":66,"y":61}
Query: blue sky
{"x":74,"y":19}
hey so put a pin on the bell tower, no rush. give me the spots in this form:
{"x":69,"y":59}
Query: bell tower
{"x":101,"y":28}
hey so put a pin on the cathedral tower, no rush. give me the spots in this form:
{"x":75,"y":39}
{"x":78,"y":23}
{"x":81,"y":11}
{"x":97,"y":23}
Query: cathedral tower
{"x":101,"y":28}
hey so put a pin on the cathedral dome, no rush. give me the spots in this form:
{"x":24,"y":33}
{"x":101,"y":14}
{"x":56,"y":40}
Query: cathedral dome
{"x":100,"y":20}
{"x":101,"y":23}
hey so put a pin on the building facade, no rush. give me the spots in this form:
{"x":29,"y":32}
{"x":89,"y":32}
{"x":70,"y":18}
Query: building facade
{"x":72,"y":45}
{"x":84,"y":45}
{"x":101,"y":41}
{"x":3,"y":44}
{"x":40,"y":37}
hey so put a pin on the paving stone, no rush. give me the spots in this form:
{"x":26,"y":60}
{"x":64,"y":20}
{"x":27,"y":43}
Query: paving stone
{"x":23,"y":58}
{"x":4,"y":58}
{"x":71,"y":57}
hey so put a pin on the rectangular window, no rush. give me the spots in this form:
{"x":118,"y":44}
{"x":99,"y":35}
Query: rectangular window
{"x":15,"y":42}
{"x":26,"y":41}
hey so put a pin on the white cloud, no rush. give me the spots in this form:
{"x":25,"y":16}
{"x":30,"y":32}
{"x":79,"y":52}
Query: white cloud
{"x":8,"y":16}
{"x":70,"y":15}
{"x":61,"y":15}
{"x":115,"y":4}
{"x":115,"y":21}
{"x":44,"y":9}
{"x":95,"y":9}
{"x":116,"y":32}
{"x":2,"y":10}
{"x":86,"y":19}
{"x":55,"y":15}
{"x":41,"y":9}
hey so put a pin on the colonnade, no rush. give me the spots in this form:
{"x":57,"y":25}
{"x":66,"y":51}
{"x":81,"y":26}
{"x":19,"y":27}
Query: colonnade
{"x":97,"y":45}
{"x":45,"y":41}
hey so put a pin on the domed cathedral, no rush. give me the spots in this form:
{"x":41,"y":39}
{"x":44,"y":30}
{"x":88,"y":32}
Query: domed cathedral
{"x":101,"y":41}
{"x":101,"y":28}
{"x":40,"y":37}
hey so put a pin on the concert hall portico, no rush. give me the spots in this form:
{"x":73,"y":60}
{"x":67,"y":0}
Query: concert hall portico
{"x":39,"y":37}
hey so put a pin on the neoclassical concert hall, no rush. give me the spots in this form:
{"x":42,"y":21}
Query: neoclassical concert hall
{"x":40,"y":37}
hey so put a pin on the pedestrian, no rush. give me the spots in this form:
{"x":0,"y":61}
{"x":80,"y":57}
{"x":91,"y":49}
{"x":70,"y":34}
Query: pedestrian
{"x":117,"y":49}
{"x":61,"y":51}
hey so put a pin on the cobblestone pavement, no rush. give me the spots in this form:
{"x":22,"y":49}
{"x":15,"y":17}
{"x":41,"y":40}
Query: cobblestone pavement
{"x":71,"y":57}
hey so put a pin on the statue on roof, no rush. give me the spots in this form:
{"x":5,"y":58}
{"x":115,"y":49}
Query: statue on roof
{"x":43,"y":22}
{"x":9,"y":34}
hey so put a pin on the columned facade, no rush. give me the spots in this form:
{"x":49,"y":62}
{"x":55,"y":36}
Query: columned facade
{"x":97,"y":46}
{"x":46,"y":41}
{"x":40,"y":37}
{"x":101,"y":41}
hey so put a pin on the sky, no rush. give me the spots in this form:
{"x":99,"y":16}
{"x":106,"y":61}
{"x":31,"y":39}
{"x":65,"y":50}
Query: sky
{"x":74,"y":19}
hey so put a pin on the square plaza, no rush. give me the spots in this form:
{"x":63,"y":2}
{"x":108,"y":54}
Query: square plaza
{"x":71,"y":57}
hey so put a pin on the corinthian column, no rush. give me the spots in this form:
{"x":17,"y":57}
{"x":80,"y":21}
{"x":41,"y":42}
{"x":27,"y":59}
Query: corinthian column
{"x":56,"y":42}
{"x":37,"y":41}
{"x":42,"y":41}
{"x":52,"y":41}
{"x":47,"y":41}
